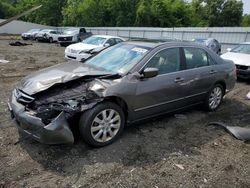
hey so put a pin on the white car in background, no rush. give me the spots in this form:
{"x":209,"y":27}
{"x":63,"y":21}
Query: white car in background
{"x":48,"y":35}
{"x":80,"y":51}
{"x":240,"y":55}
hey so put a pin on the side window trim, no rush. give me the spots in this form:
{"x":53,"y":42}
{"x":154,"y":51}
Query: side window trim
{"x":209,"y":57}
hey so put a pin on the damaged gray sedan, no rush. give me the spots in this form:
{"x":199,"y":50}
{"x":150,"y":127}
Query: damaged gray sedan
{"x":128,"y":82}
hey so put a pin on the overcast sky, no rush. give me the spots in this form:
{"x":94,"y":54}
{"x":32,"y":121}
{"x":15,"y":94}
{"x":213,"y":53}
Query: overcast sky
{"x":246,"y":6}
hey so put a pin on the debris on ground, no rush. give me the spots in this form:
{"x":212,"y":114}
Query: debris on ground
{"x":240,"y":133}
{"x":18,"y":43}
{"x":248,"y":95}
{"x":31,"y":164}
{"x":4,"y":61}
{"x":180,"y":116}
{"x":179,"y":166}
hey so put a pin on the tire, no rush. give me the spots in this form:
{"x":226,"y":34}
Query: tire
{"x":51,"y":40}
{"x":93,"y":126}
{"x":214,"y":97}
{"x":63,"y":44}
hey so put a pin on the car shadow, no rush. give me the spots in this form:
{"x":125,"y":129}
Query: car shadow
{"x":145,"y":142}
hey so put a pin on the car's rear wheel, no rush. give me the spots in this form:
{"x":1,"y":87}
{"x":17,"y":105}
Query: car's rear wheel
{"x":102,"y":124}
{"x":214,"y":97}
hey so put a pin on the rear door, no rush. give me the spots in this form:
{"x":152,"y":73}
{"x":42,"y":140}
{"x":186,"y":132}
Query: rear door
{"x":167,"y":90}
{"x":200,"y":73}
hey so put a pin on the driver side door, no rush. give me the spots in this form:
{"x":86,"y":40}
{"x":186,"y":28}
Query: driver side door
{"x":164,"y":92}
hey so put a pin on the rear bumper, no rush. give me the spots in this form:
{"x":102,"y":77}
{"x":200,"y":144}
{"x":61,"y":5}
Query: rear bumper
{"x":56,"y":132}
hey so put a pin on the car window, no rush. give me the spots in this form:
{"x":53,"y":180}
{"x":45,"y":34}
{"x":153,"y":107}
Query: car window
{"x":195,"y":58}
{"x":111,"y":42}
{"x":166,"y":61}
{"x":82,"y":30}
{"x":118,"y":40}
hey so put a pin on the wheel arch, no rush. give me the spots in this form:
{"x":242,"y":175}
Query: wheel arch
{"x":223,"y":84}
{"x":120,"y":102}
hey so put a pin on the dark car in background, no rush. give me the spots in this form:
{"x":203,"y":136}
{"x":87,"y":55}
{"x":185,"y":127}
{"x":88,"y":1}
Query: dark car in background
{"x":73,"y":35}
{"x":30,"y":35}
{"x":211,"y":43}
{"x":125,"y":83}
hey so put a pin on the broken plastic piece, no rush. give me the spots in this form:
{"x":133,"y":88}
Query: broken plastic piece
{"x":240,"y":133}
{"x":248,"y":95}
{"x":18,"y":43}
{"x":4,"y":61}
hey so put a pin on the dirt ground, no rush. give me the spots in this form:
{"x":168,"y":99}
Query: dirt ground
{"x":171,"y":151}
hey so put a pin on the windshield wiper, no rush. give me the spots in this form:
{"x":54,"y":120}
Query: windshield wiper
{"x":115,"y":75}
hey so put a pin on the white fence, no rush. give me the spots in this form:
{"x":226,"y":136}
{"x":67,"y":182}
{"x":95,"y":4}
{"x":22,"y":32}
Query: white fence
{"x":227,"y":36}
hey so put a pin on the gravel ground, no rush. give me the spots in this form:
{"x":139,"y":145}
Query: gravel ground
{"x":170,"y":151}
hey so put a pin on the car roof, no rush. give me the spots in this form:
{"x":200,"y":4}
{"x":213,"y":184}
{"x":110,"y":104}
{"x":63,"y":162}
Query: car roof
{"x":245,"y":43}
{"x":165,"y":44}
{"x":48,"y":30}
{"x":107,"y":36}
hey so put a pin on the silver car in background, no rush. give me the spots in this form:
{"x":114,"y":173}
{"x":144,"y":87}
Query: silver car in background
{"x":30,"y":35}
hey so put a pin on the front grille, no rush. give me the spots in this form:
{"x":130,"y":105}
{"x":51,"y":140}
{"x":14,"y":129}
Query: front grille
{"x":65,"y":38}
{"x":22,"y":97}
{"x":241,"y":67}
{"x":74,"y":51}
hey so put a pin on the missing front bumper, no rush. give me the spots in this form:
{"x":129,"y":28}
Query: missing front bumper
{"x":56,"y":132}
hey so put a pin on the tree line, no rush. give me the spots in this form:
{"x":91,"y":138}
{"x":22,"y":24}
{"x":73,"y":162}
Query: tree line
{"x":133,"y":13}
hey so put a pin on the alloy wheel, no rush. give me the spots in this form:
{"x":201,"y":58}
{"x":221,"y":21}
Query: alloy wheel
{"x":105,"y":125}
{"x":215,"y":98}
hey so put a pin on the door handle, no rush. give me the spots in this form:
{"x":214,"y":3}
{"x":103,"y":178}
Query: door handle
{"x":178,"y":80}
{"x":212,"y":72}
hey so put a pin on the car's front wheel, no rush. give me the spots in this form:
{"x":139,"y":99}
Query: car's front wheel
{"x":214,"y":97}
{"x":50,"y":40}
{"x":102,"y":124}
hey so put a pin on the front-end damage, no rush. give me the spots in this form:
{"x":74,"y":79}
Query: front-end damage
{"x":46,"y":115}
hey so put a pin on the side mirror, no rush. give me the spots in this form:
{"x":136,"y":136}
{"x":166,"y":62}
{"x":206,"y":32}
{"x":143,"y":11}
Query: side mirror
{"x":229,"y":49}
{"x":150,"y":72}
{"x":106,"y":45}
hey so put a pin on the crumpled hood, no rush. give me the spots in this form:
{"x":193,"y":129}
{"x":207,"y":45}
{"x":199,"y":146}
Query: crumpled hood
{"x":237,"y":58}
{"x":81,"y":46}
{"x":62,"y":73}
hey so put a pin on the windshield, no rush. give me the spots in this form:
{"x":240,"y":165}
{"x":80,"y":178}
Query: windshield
{"x":70,"y":31}
{"x":119,"y":58}
{"x":242,"y":48}
{"x":94,"y":40}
